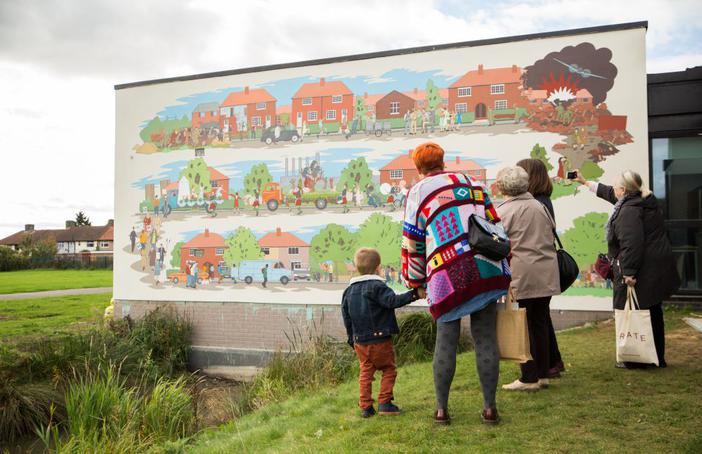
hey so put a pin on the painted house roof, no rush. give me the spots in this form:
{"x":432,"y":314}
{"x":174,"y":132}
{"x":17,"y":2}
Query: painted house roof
{"x":216,"y":174}
{"x":281,"y":239}
{"x":420,"y":95}
{"x":206,"y":239}
{"x":247,"y":96}
{"x":371,"y":100}
{"x":482,"y":76}
{"x":458,"y":164}
{"x":395,"y":94}
{"x":78,"y":233}
{"x":207,"y":107}
{"x":322,"y":88}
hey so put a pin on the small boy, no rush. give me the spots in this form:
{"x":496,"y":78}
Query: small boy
{"x":368,"y":307}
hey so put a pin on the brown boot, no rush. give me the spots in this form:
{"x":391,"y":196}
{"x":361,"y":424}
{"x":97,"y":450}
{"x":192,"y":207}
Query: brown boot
{"x":441,"y":416}
{"x":490,"y":416}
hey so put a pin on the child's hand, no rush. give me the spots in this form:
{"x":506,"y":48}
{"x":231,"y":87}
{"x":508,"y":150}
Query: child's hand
{"x":422,"y":292}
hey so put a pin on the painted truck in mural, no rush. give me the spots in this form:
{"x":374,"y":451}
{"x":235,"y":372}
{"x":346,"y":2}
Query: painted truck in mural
{"x":298,"y":172}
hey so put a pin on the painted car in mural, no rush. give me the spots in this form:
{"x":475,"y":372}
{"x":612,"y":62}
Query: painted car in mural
{"x":298,"y":171}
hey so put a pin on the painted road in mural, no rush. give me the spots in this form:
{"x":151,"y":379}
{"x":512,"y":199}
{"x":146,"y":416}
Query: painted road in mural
{"x":268,"y":188}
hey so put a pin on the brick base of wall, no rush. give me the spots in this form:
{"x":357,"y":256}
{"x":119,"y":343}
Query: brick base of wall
{"x":245,"y":334}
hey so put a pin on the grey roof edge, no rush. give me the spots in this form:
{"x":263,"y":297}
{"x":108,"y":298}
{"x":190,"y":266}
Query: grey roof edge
{"x":694,"y":73}
{"x":390,"y":53}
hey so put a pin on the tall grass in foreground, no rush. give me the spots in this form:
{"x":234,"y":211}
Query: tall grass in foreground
{"x":417,"y":337}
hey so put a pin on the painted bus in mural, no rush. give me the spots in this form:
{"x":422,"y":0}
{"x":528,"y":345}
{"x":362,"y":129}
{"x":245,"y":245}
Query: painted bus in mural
{"x":299,"y":166}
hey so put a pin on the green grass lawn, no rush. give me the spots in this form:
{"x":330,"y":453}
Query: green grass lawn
{"x":593,"y":408}
{"x":42,"y":316}
{"x":591,"y":291}
{"x":40,"y":280}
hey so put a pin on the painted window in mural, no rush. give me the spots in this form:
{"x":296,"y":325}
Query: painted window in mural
{"x":281,"y":177}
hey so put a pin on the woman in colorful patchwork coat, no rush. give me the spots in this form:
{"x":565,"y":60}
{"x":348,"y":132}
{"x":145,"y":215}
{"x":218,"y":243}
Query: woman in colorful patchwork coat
{"x":436,"y":254}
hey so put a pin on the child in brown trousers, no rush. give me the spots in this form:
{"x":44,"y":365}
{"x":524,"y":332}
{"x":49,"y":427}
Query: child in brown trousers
{"x":368,"y":307}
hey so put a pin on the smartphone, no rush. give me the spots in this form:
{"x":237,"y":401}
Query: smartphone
{"x":572,"y":175}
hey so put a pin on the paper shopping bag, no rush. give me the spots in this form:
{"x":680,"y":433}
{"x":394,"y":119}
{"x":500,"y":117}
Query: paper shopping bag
{"x":512,"y":331}
{"x":634,"y":332}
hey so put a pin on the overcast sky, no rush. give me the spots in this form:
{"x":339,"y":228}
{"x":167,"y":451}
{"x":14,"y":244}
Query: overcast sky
{"x":59,"y":61}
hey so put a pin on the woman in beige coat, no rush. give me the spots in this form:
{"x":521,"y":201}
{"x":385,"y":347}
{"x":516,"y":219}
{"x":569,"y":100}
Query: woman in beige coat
{"x":534,"y":269}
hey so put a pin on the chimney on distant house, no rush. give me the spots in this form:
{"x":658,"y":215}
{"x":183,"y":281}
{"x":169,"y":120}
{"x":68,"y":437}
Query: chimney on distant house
{"x":246,"y":90}
{"x":286,"y":167}
{"x":416,"y":90}
{"x":321,"y":81}
{"x":458,"y":159}
{"x":110,"y":222}
{"x":365,"y":95}
{"x":480,"y":68}
{"x":409,"y":153}
{"x":28,"y":227}
{"x":70,"y":224}
{"x":514,"y":68}
{"x":207,"y":233}
{"x":278,"y":232}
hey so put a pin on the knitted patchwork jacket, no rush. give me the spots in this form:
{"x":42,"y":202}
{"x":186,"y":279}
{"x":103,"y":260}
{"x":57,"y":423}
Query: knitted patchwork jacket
{"x":435,"y":249}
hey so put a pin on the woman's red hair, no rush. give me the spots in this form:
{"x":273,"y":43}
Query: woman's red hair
{"x":428,"y":157}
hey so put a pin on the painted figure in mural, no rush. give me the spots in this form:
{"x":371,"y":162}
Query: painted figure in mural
{"x":152,"y":257}
{"x":132,"y":238}
{"x":413,"y":121}
{"x":370,"y":196}
{"x":297,"y":192}
{"x":264,"y":272}
{"x":459,"y":120}
{"x":256,"y":203}
{"x":143,"y":252}
{"x":161,"y":253}
{"x":406,"y":119}
{"x":432,"y":120}
{"x":194,"y":271}
{"x":436,"y":255}
{"x":236,"y":203}
{"x":158,"y":273}
{"x":344,"y":198}
{"x":320,"y":127}
{"x":425,"y":121}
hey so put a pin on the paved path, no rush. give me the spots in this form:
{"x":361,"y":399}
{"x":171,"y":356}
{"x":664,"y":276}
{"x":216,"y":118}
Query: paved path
{"x":49,"y":293}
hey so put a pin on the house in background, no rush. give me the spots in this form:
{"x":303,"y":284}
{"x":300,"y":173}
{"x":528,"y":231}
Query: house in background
{"x":242,"y":110}
{"x":487,"y":89}
{"x":394,"y":105}
{"x":420,"y":97}
{"x":369,"y":101}
{"x":330,"y":101}
{"x":218,"y":180}
{"x":402,"y":169}
{"x":207,"y":250}
{"x":81,"y":239}
{"x":287,"y":248}
{"x":537,"y":98}
{"x":206,"y":115}
{"x":283,"y":115}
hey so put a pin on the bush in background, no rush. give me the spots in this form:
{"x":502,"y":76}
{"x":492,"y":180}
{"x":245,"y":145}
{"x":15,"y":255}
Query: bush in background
{"x":417,"y":337}
{"x":11,"y":260}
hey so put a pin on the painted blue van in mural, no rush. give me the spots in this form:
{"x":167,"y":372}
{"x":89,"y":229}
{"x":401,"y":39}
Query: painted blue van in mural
{"x":251,"y":271}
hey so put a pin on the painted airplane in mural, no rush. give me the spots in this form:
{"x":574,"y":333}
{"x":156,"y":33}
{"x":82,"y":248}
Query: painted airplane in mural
{"x":583,"y":72}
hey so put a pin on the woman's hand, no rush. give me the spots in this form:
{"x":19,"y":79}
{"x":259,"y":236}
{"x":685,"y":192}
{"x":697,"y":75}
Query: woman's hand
{"x":580,"y":179}
{"x":630,"y":281}
{"x":422,"y":292}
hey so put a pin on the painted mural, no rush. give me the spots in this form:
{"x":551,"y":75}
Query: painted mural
{"x":261,"y":187}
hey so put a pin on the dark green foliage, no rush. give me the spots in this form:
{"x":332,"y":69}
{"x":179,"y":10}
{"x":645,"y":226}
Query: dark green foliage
{"x":417,"y":337}
{"x":24,"y":408}
{"x":82,"y":219}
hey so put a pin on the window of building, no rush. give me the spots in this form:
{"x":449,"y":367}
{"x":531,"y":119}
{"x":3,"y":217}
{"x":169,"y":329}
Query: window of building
{"x":214,"y":183}
{"x":260,"y":106}
{"x":197,"y":252}
{"x":306,"y":101}
{"x":464,"y":91}
{"x":533,"y":101}
{"x":461,"y":107}
{"x":497,"y":89}
{"x":336,"y":99}
{"x":255,"y":121}
{"x":90,"y":244}
{"x":219,"y":251}
{"x":266,"y":250}
{"x":394,"y":108}
{"x":331,"y":114}
{"x":501,"y":104}
{"x":293,"y":250}
{"x":296,"y":265}
{"x":312,"y":115}
{"x":104,"y":244}
{"x":396,"y":174}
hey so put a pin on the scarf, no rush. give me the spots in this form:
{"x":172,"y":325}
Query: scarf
{"x":609,"y":231}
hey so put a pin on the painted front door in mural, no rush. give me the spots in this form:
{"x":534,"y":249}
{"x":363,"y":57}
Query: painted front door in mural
{"x":280,"y":175}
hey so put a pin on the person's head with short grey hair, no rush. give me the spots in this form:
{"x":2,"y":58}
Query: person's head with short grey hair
{"x":512,"y":181}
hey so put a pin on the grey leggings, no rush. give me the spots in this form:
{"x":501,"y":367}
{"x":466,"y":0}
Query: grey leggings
{"x":483,"y":329}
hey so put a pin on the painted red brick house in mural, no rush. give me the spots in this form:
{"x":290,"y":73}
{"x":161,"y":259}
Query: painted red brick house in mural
{"x":369,"y":101}
{"x":219,"y":180}
{"x":250,"y":107}
{"x":206,"y":115}
{"x":394,"y":105}
{"x":420,"y":97}
{"x":402,"y":168}
{"x":538,"y":98}
{"x":332,"y":101}
{"x":287,"y":248}
{"x":206,"y":249}
{"x":483,"y":89}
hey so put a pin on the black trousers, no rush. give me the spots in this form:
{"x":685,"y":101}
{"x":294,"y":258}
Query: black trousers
{"x":538,"y":313}
{"x":554,"y":353}
{"x":658,"y":326}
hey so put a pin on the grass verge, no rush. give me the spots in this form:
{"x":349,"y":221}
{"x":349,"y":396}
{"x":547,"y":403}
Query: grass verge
{"x":41,"y":280}
{"x":593,"y":408}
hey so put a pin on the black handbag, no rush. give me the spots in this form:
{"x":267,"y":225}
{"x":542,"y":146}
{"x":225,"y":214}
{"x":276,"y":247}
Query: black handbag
{"x":486,"y":238}
{"x":567,"y":266}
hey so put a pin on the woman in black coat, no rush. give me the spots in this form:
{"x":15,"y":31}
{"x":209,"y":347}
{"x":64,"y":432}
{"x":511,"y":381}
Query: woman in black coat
{"x":639,"y":249}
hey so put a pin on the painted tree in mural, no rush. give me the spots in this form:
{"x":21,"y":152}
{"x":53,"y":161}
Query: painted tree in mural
{"x":433,"y":96}
{"x":360,"y":111}
{"x":356,"y":173}
{"x":257,"y":177}
{"x":591,"y":171}
{"x":333,"y":243}
{"x":198,"y":175}
{"x":381,"y":232}
{"x":586,"y":238}
{"x":175,"y":254}
{"x":158,"y":126}
{"x":539,"y":152}
{"x":242,"y":245}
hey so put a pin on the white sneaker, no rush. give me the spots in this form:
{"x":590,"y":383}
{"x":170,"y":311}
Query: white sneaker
{"x":544,"y":382}
{"x":517,"y":385}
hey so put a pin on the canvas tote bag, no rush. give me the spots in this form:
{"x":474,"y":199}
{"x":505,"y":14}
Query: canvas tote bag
{"x":634,"y":332}
{"x":512,"y":331}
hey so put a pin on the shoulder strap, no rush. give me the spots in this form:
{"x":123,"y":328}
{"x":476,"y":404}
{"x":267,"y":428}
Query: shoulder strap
{"x":555,"y":234}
